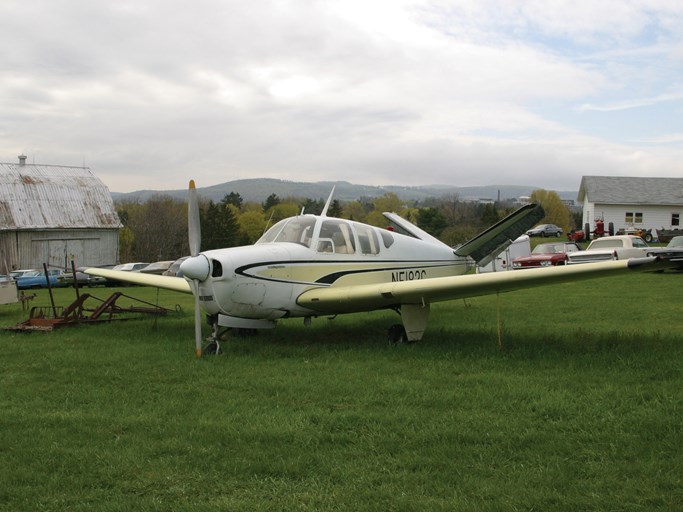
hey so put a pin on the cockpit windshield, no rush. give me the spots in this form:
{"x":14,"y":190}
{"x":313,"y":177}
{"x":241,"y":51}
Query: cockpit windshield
{"x":298,"y":230}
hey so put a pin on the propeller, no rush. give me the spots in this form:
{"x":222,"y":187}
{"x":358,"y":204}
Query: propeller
{"x":194,"y":234}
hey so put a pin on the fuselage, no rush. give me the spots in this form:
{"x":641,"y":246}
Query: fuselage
{"x":263,"y":281}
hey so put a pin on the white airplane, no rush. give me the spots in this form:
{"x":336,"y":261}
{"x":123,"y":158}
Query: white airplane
{"x":312,"y":265}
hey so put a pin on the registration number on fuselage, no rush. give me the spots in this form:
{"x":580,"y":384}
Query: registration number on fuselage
{"x":408,"y":275}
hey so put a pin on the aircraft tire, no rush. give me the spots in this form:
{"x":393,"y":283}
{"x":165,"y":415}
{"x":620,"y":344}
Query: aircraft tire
{"x":212,"y":349}
{"x":397,"y":334}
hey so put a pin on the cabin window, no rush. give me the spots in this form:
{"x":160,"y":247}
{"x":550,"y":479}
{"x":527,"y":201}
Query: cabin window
{"x":336,"y":237}
{"x":387,"y":238}
{"x":675,"y":219}
{"x":367,"y":239}
{"x":272,"y":233}
{"x":298,"y":230}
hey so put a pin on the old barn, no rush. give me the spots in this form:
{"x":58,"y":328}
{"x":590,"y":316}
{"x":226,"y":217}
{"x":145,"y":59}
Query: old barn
{"x":54,"y":214}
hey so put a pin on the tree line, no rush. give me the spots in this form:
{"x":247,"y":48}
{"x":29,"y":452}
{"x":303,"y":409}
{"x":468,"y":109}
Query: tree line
{"x":156,"y":229}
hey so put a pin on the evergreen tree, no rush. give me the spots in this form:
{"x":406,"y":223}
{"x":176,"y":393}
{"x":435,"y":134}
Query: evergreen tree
{"x":271,"y":200}
{"x":233,"y":198}
{"x":431,"y":220}
{"x":489,"y":214}
{"x":312,"y":206}
{"x":219,"y":227}
{"x":335,"y":209}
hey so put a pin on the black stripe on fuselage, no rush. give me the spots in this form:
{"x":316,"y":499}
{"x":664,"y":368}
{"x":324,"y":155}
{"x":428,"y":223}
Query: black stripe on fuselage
{"x":329,"y":279}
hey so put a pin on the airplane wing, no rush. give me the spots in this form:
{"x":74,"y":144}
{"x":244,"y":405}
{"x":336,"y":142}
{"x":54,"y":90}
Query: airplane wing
{"x":177,"y":284}
{"x":350,"y":299}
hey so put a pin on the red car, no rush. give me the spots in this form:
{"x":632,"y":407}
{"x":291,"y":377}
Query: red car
{"x":546,"y":255}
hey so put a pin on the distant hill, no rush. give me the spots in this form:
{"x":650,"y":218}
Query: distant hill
{"x":260,"y":188}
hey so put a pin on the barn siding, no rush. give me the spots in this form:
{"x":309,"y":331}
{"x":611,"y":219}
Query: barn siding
{"x":87,"y":247}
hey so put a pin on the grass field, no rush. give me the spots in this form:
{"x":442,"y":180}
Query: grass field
{"x":578,"y":406}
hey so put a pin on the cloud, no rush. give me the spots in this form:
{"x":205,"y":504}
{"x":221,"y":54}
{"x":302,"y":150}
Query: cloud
{"x":153,"y":93}
{"x":633,"y":103}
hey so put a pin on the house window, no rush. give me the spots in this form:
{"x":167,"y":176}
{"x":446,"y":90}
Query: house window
{"x":675,"y":219}
{"x":634,"y":218}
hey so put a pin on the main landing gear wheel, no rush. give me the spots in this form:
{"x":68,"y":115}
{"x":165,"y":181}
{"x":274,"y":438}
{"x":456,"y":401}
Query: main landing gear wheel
{"x":397,"y":334}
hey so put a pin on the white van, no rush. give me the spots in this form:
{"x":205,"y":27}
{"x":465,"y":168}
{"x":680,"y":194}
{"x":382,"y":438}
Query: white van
{"x":519,"y":247}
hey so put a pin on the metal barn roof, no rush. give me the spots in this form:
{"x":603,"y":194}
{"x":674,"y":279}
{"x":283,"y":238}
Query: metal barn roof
{"x":625,"y":190}
{"x":50,"y":196}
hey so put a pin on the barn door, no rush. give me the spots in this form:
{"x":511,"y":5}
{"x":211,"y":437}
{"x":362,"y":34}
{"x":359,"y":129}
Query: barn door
{"x":75,"y":251}
{"x":57,"y":253}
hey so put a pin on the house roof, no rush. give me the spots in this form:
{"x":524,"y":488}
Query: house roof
{"x":627,"y":190}
{"x":50,"y":196}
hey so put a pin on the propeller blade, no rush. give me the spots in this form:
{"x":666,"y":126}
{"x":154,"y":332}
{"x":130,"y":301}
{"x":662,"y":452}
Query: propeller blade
{"x":194,"y":234}
{"x":194,"y":231}
{"x":197,"y":323}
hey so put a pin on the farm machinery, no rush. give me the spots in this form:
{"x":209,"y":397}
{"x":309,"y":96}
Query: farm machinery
{"x":585,"y":234}
{"x":579,"y":235}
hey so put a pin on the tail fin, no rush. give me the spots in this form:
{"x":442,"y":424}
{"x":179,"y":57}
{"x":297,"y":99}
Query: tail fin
{"x":487,"y":245}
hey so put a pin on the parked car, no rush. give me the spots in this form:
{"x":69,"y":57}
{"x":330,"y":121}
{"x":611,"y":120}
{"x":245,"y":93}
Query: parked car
{"x":157,"y":268}
{"x":126,"y":267}
{"x":675,"y":242}
{"x":130,"y":267}
{"x":545,"y":230}
{"x":83,"y":279}
{"x":174,"y":269}
{"x":22,"y":272}
{"x":37,"y":279}
{"x":673,"y":251}
{"x":546,"y":255}
{"x":617,"y":247}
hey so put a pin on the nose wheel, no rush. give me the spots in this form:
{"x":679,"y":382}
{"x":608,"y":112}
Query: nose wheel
{"x":213,"y":346}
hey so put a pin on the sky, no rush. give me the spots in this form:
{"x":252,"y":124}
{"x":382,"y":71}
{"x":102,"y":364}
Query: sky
{"x":151,"y":93}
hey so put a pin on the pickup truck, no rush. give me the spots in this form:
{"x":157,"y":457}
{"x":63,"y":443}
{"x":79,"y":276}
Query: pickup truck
{"x":619,"y":247}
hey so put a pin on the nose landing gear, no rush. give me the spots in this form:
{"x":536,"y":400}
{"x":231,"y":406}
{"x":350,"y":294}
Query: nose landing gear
{"x":213,"y":346}
{"x":220,"y":332}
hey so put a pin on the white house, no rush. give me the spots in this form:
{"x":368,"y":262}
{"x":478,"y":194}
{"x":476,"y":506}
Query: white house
{"x":641,"y":203}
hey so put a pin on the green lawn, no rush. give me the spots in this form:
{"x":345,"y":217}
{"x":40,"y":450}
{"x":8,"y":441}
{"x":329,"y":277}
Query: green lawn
{"x":578,"y":405}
